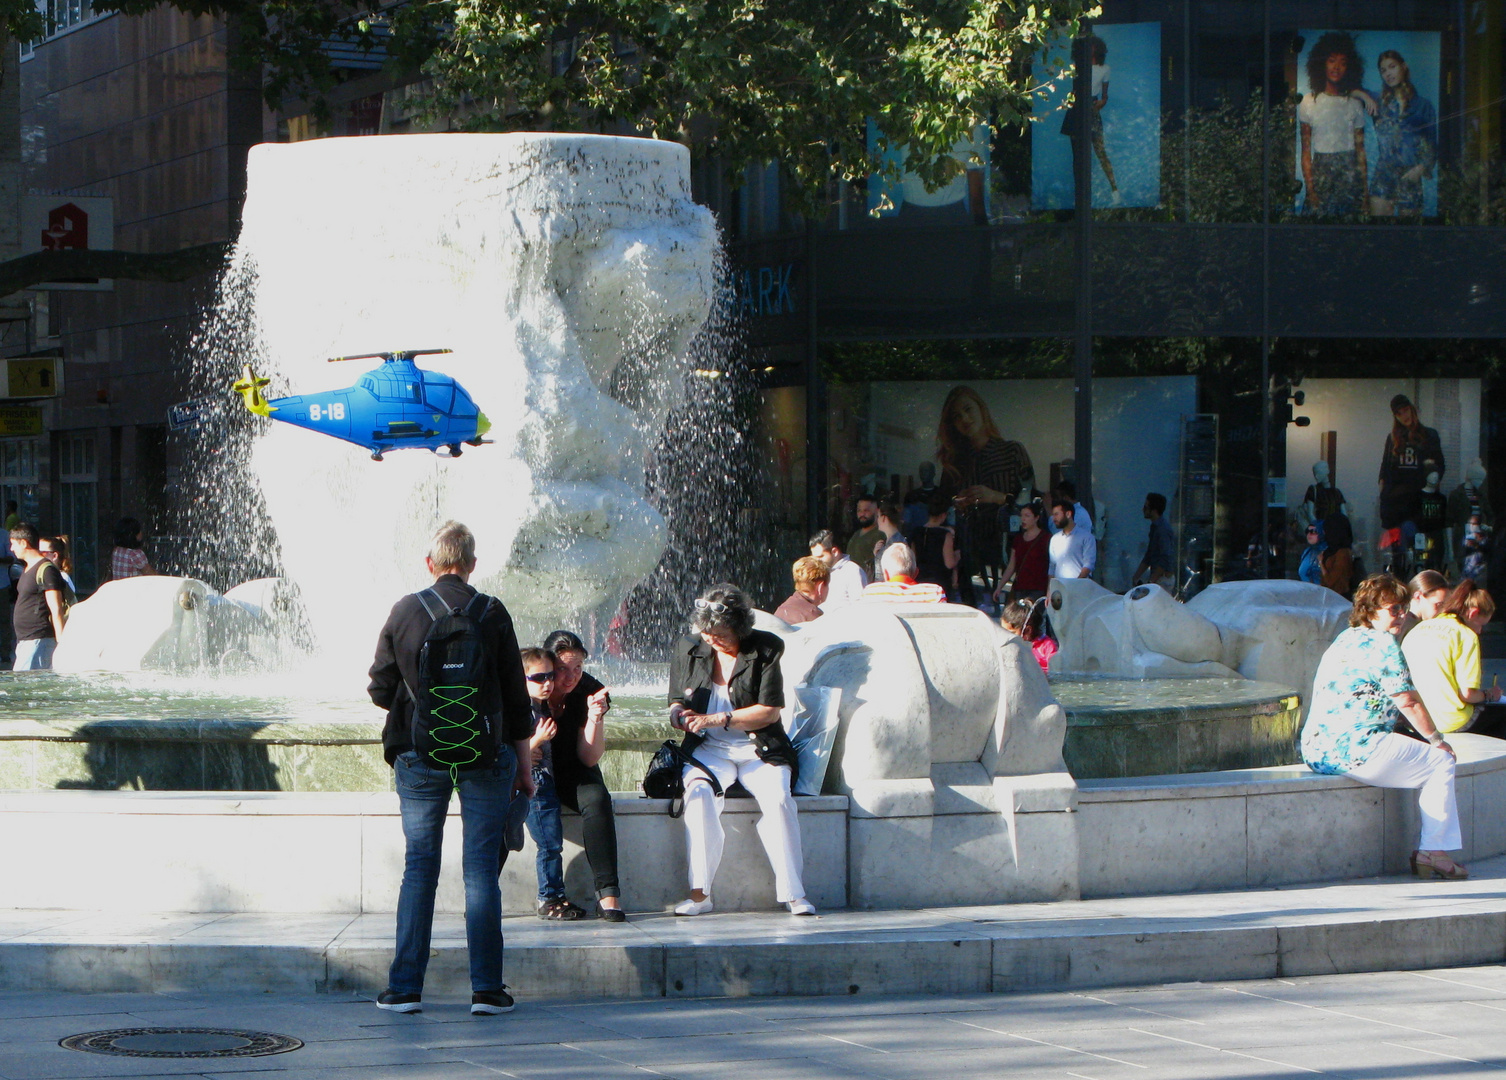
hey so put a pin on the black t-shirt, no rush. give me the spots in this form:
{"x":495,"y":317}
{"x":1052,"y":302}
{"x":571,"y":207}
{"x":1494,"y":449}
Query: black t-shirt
{"x":32,"y":618}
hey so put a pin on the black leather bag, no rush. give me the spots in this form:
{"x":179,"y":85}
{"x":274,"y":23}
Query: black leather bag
{"x":665,"y":778}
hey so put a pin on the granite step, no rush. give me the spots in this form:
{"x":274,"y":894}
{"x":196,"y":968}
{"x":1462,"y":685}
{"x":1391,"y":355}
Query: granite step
{"x":1377,"y":924}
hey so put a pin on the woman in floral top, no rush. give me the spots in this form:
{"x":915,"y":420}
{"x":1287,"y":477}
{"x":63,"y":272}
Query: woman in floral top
{"x":1362,"y":689}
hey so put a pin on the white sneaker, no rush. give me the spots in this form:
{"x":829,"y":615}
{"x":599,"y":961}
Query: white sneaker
{"x":801,"y":907}
{"x":693,"y":907}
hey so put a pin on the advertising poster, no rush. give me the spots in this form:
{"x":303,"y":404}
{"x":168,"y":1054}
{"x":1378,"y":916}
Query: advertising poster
{"x":1126,"y":165}
{"x":1136,"y":441}
{"x":1367,"y":123}
{"x":964,"y":201}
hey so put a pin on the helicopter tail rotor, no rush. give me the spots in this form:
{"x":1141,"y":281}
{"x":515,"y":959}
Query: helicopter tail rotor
{"x":248,"y":386}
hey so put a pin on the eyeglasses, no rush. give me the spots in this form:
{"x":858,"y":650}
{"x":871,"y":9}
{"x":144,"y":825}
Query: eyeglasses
{"x":716,"y":607}
{"x":1396,"y":610}
{"x":540,"y":677}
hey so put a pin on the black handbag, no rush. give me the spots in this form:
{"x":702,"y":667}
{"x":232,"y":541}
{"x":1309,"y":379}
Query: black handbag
{"x":665,"y":778}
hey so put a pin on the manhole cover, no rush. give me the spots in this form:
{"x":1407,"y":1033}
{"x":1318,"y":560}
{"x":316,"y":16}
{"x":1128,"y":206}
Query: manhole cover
{"x":181,"y":1043}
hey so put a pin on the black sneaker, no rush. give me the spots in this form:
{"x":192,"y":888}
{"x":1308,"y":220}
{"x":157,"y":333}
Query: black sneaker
{"x":392,"y":1001}
{"x":491,"y":1004}
{"x":610,"y":914}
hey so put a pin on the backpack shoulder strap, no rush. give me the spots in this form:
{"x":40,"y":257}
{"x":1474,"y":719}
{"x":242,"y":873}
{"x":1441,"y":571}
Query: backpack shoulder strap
{"x":478,"y":606}
{"x":432,"y":604}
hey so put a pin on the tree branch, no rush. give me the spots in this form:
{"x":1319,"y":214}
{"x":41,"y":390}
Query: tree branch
{"x":32,"y":270}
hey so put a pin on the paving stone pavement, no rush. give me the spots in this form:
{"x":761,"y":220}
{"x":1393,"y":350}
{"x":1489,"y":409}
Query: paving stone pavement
{"x":1442,"y":1022}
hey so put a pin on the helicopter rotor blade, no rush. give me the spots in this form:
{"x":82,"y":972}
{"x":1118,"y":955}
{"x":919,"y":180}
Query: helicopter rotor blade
{"x":388,"y":355}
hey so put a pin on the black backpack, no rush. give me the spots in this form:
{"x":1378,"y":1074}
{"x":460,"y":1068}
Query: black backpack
{"x":450,"y":730}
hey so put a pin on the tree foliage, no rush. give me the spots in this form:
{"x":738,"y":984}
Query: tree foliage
{"x":745,"y":81}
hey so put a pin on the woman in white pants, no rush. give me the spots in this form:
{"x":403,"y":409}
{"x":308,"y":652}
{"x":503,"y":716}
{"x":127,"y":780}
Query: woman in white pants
{"x":1362,"y":689}
{"x":726,"y":693}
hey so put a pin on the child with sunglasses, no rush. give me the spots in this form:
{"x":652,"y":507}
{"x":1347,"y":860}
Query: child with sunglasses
{"x":544,"y":809}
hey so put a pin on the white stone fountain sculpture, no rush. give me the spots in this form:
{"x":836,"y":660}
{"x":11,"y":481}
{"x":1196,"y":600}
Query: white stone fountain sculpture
{"x":567,"y":273}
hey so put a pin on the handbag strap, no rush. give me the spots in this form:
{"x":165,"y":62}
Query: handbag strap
{"x":690,"y":759}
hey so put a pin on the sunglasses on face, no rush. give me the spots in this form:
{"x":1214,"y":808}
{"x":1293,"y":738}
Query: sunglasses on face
{"x":540,"y":677}
{"x":716,"y":607}
{"x":1396,"y":610}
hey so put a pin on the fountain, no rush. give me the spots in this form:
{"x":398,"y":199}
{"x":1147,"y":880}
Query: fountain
{"x":569,"y":275}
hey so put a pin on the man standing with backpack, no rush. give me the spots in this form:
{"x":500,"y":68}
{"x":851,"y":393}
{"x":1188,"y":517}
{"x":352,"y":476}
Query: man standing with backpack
{"x":448,"y":673}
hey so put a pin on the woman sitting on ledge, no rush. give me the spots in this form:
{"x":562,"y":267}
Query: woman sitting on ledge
{"x":726,"y":693}
{"x":1443,"y":655}
{"x":1362,"y":689}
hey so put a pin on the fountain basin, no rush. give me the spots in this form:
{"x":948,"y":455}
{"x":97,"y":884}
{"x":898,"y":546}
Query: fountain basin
{"x":108,"y":733}
{"x":1155,"y":727}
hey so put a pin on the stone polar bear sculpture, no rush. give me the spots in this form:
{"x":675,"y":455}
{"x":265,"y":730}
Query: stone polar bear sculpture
{"x":949,"y":750}
{"x":167,"y":624}
{"x":1270,"y":631}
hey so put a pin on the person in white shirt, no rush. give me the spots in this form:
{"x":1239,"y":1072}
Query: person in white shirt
{"x":1331,"y":127}
{"x":1068,"y":490}
{"x":1073,"y":551}
{"x":847,"y":577}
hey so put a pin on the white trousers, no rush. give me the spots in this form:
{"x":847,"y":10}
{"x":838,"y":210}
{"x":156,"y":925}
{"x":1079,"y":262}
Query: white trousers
{"x":778,"y":826}
{"x":1400,"y":762}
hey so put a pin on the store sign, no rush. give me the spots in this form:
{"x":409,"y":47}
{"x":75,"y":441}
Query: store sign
{"x":68,"y":223}
{"x":20,"y":420}
{"x":765,"y":290}
{"x":31,"y":377}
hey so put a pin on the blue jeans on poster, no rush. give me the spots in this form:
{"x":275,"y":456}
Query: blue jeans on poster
{"x":424,"y":798}
{"x":548,"y":837}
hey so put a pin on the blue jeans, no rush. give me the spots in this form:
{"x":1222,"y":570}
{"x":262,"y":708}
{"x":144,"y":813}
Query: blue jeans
{"x":548,"y":836}
{"x":424,"y":797}
{"x":35,"y":654}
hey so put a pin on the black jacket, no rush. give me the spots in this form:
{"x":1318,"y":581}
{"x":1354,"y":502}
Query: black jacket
{"x":397,"y":662}
{"x":565,"y":746}
{"x":756,"y":680}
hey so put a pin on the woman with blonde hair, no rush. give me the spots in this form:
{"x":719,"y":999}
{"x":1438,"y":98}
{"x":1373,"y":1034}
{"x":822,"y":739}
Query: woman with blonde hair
{"x":1443,"y":655}
{"x":1361,"y":691}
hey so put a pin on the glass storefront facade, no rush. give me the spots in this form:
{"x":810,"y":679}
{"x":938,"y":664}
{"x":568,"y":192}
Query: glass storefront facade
{"x":1298,"y":221}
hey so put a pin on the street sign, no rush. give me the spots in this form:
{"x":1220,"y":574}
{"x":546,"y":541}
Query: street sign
{"x":186,"y":414}
{"x":31,"y":377}
{"x":20,"y":420}
{"x":68,"y":223}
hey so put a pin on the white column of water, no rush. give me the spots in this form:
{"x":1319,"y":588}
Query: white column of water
{"x":561,"y":270}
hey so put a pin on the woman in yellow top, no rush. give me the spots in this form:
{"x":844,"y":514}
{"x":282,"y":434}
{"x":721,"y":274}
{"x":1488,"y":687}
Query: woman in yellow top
{"x":1443,"y":655}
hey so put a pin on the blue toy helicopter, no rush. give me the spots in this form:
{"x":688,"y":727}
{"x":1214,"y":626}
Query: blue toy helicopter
{"x":396,"y":406}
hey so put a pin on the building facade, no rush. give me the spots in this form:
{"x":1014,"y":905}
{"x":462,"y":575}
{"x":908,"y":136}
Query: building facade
{"x":1296,"y":222}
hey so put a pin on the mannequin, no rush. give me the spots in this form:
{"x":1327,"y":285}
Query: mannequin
{"x":1430,"y":542}
{"x":1467,"y":500}
{"x":1322,"y":498}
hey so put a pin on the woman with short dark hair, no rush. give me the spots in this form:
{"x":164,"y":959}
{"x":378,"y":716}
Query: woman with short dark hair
{"x":127,"y":560}
{"x":726,"y":693}
{"x":579,"y":704}
{"x":1361,"y":691}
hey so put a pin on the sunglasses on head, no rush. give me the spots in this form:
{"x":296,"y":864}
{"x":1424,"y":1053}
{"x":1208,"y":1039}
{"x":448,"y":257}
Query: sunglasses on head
{"x":716,"y":607}
{"x":540,"y":677}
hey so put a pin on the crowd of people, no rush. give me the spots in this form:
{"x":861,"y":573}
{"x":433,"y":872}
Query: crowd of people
{"x":524,"y":736}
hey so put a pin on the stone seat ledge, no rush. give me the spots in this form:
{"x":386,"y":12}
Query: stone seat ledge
{"x":322,"y":803}
{"x":1478,"y":755}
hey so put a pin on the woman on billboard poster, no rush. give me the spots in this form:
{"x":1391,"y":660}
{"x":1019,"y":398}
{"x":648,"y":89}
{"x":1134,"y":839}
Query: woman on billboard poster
{"x":1331,"y":121}
{"x":988,"y":472}
{"x":1406,"y":140}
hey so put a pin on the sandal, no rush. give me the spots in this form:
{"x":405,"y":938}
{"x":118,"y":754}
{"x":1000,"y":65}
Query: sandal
{"x":1424,"y":866}
{"x":560,"y":910}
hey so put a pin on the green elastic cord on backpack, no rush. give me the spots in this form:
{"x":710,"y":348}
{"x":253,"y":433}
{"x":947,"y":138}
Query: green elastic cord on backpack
{"x":455,"y":713}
